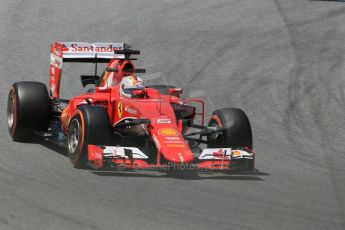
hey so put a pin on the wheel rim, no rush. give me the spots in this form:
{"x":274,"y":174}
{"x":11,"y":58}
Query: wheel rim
{"x":74,"y":136}
{"x":215,"y":139}
{"x":10,"y":112}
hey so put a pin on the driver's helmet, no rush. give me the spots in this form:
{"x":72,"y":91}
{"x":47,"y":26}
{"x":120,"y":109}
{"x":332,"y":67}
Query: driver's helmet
{"x":130,"y":83}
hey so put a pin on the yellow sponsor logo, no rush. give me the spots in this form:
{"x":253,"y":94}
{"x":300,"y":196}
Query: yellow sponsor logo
{"x":236,"y":153}
{"x":119,"y":109}
{"x":168,"y":132}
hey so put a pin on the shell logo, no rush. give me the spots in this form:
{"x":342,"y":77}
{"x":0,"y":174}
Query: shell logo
{"x":236,"y":153}
{"x":168,"y":132}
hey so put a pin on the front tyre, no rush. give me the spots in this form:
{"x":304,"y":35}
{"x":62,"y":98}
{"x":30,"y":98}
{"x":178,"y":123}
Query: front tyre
{"x":237,"y":132}
{"x":89,"y":125}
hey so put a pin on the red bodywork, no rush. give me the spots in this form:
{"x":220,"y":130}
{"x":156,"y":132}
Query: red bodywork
{"x":167,"y":136}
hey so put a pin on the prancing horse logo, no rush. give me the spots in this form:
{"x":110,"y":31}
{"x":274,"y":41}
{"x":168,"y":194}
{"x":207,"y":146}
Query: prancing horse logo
{"x":119,"y":109}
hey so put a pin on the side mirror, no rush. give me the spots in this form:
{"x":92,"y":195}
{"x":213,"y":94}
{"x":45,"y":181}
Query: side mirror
{"x":175,"y":91}
{"x":89,"y":79}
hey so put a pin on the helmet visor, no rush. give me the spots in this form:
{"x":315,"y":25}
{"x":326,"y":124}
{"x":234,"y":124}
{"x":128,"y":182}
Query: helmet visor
{"x":129,"y":89}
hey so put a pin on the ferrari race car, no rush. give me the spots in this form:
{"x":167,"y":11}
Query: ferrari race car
{"x":120,"y":123}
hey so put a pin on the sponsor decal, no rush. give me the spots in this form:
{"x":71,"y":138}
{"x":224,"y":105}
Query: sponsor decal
{"x":176,"y":142}
{"x":181,"y":157}
{"x":176,"y":145}
{"x":163,"y":121}
{"x":84,"y":50}
{"x":173,"y":138}
{"x":182,"y":107}
{"x":119,"y":109}
{"x":64,"y":48}
{"x":90,"y":48}
{"x":220,"y":153}
{"x":168,"y":132}
{"x":130,"y":110}
{"x":236,"y":153}
{"x":56,"y":61}
{"x":215,"y":153}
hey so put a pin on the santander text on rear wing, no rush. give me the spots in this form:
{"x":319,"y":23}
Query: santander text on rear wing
{"x":79,"y":52}
{"x":86,"y":52}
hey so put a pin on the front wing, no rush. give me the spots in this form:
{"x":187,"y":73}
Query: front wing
{"x":117,"y":157}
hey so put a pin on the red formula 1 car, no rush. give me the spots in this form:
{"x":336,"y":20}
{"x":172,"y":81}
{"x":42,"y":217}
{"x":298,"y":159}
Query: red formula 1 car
{"x":143,"y":128}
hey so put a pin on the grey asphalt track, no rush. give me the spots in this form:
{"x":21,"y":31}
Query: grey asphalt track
{"x":282,"y":61}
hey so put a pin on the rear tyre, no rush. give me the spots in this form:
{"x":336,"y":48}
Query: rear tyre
{"x":237,"y":131}
{"x":89,"y":125}
{"x":28,"y":110}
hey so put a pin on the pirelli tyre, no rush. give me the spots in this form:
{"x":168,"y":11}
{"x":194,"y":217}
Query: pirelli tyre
{"x":28,"y":110}
{"x":89,"y":125}
{"x":236,"y":133}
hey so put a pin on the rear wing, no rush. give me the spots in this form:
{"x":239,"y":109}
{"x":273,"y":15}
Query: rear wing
{"x":61,"y":52}
{"x":87,"y":52}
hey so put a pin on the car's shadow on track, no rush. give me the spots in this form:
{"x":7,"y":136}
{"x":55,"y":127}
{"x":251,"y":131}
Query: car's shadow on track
{"x":38,"y":140}
{"x":184,"y":175}
{"x":52,"y":147}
